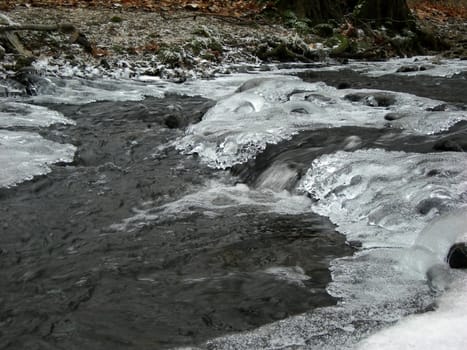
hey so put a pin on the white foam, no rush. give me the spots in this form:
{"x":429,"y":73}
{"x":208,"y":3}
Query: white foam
{"x":211,"y":199}
{"x":24,"y":155}
{"x":289,"y":274}
{"x":22,"y":114}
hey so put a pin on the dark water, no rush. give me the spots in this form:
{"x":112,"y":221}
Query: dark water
{"x":67,"y":281}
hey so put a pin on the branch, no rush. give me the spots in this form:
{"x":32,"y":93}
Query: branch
{"x":76,"y":36}
{"x":66,"y":28}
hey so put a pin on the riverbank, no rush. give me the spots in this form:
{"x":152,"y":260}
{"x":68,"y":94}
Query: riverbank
{"x":182,"y":43}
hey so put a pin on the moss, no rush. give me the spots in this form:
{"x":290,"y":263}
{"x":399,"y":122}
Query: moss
{"x":342,"y":44}
{"x":289,"y":18}
{"x":215,"y":45}
{"x":302,"y":27}
{"x":196,"y":46}
{"x":323,"y":30}
{"x":280,"y":53}
{"x":116,"y":19}
{"x":23,"y":62}
{"x":118,"y":49}
{"x":202,"y":31}
{"x":170,"y":57}
{"x":208,"y":56}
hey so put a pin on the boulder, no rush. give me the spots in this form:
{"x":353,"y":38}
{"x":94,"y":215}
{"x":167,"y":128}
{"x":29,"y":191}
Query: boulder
{"x":457,"y":256}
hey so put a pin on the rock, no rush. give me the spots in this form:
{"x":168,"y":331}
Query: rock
{"x":394,"y":116}
{"x":439,"y":108}
{"x":457,"y":256}
{"x":343,"y":85}
{"x":2,"y":52}
{"x":27,"y":76}
{"x":377,"y":99}
{"x":407,"y":69}
{"x":451,"y":144}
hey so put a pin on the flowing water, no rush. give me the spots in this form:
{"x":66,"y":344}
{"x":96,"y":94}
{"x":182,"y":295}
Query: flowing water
{"x":295,"y":208}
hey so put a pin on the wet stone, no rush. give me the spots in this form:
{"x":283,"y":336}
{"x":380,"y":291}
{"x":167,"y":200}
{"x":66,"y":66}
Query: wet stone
{"x":373,"y":100}
{"x":457,"y":256}
{"x":394,"y":116}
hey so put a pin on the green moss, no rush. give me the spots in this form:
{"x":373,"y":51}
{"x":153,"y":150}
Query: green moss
{"x":302,"y":27}
{"x":290,"y":18}
{"x":170,"y":57}
{"x":342,"y":45}
{"x":208,"y":56}
{"x":23,"y":62}
{"x":196,"y":46}
{"x":118,"y":49}
{"x":215,"y":45}
{"x":116,"y":19}
{"x":201,"y":31}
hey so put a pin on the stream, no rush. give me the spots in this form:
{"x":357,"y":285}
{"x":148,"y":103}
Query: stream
{"x":293,"y":207}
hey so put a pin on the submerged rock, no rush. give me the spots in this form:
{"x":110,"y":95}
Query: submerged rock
{"x":377,"y":99}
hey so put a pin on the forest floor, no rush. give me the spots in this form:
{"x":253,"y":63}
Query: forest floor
{"x":180,"y":39}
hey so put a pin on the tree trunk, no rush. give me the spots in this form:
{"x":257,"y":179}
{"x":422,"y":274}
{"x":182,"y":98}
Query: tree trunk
{"x":394,"y":14}
{"x":318,"y":11}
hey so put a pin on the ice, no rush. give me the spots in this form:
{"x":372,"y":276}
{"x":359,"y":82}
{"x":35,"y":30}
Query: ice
{"x":420,"y":65}
{"x":443,"y":329}
{"x":75,"y":90}
{"x":24,"y":155}
{"x":391,"y":202}
{"x":432,"y":245}
{"x":271,"y":109}
{"x":22,"y":114}
{"x":386,"y":198}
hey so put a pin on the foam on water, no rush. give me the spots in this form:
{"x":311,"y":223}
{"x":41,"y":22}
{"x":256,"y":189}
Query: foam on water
{"x":289,"y":274}
{"x":391,"y":202}
{"x":270,"y":109}
{"x":211,"y":199}
{"x":24,"y":155}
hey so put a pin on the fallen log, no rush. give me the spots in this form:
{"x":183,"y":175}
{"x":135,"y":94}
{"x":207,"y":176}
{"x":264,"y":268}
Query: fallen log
{"x":65,"y":28}
{"x":11,"y":40}
{"x":8,"y":34}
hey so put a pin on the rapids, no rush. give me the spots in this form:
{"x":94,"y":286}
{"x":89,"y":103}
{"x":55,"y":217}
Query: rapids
{"x":295,"y":208}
